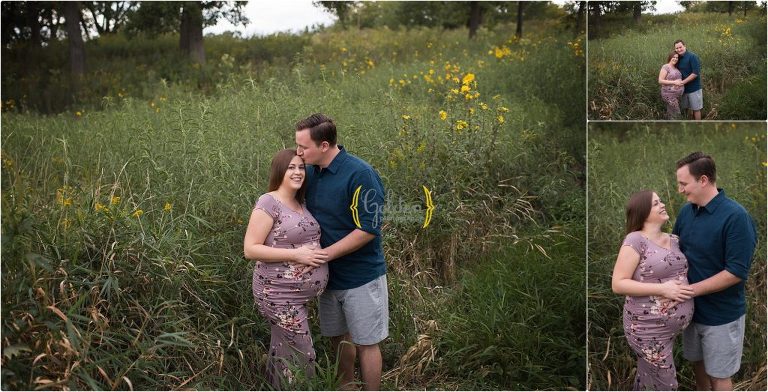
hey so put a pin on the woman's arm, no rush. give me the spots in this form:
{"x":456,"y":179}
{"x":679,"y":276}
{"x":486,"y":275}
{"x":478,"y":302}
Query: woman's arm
{"x":254,"y":249}
{"x":622,"y":282}
{"x":663,"y":77}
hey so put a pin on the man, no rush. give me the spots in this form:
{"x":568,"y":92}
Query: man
{"x":718,"y":237}
{"x":690,"y":68}
{"x":346,"y":197}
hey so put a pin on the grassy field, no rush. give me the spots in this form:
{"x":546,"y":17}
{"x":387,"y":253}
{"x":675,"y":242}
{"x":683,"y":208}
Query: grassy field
{"x":624,"y":67}
{"x":624,"y":158}
{"x":122,"y":224}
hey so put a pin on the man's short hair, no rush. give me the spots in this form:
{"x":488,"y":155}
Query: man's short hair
{"x":321,"y":128}
{"x":680,"y":41}
{"x":699,"y":164}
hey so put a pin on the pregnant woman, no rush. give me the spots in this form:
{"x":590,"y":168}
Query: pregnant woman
{"x":652,"y":272}
{"x":291,"y":269}
{"x":671,"y":81}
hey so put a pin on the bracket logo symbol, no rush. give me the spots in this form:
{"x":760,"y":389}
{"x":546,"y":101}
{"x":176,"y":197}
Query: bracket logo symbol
{"x":353,"y":207}
{"x":430,"y":207}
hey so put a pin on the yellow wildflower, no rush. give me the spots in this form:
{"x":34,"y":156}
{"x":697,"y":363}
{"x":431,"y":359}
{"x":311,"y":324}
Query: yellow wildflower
{"x":461,"y":124}
{"x":114,"y":200}
{"x":99,"y":207}
{"x":138,"y":213}
{"x":464,"y":88}
{"x":501,"y":119}
{"x":502,"y":109}
{"x":167,"y":207}
{"x":483,"y":106}
{"x":443,"y":115}
{"x":406,"y":117}
{"x":468,"y":78}
{"x":455,"y":91}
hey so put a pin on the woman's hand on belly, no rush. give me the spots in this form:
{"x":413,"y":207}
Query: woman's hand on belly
{"x":676,"y":290}
{"x":310,"y":255}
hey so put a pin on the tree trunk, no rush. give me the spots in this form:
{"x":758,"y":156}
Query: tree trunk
{"x":744,"y":4}
{"x":594,"y":19}
{"x":730,"y":8}
{"x":33,"y":19}
{"x":637,"y":10}
{"x":475,"y":18}
{"x":519,"y":29}
{"x":580,"y":16}
{"x":191,"y":35}
{"x":76,"y":44}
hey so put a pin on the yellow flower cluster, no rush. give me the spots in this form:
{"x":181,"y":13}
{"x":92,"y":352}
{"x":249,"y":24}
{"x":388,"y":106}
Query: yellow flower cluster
{"x":8,"y":105}
{"x":755,"y":139}
{"x":575,"y":45}
{"x":64,"y":195}
{"x":7,"y":163}
{"x":725,"y":31}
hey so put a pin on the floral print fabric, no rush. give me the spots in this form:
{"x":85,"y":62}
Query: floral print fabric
{"x":283,"y":289}
{"x":652,"y":323}
{"x":671,"y":94}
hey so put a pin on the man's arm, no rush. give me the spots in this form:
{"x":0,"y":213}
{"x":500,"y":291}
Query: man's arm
{"x":352,"y":242}
{"x":695,"y":70}
{"x":715,"y":283}
{"x":690,"y":78}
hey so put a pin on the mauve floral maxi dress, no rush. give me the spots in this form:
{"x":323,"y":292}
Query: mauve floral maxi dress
{"x":671,"y":94}
{"x":651,"y":323}
{"x":283,"y":289}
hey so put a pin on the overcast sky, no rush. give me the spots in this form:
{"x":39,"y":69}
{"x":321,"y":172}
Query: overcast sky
{"x":272,"y":16}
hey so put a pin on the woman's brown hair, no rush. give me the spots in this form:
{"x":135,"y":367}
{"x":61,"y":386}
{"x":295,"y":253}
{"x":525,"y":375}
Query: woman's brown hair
{"x":638,"y":208}
{"x":277,"y":172}
{"x":672,"y":54}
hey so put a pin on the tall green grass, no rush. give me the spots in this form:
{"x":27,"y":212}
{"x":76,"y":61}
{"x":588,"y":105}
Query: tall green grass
{"x":122,"y":224}
{"x":624,"y":68}
{"x":624,"y":158}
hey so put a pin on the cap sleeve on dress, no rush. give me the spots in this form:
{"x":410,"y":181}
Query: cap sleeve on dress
{"x":635,"y":241}
{"x":268,"y":204}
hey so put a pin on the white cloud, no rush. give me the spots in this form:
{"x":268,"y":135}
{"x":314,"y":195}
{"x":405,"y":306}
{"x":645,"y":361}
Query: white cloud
{"x":267,"y":17}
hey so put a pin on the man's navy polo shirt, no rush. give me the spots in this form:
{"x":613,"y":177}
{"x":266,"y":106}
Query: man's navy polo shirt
{"x":716,"y":237}
{"x":687,"y":65}
{"x":330,"y":197}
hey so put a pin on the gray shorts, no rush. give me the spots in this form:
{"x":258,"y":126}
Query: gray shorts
{"x":362,"y":311}
{"x":719,"y":346}
{"x":693,"y":101}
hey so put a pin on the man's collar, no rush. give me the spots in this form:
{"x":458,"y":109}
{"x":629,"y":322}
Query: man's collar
{"x":337,"y":161}
{"x":714,"y":203}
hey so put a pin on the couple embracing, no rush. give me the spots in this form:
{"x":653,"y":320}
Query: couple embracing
{"x":680,"y":80}
{"x":691,"y":281}
{"x":307,"y":242}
